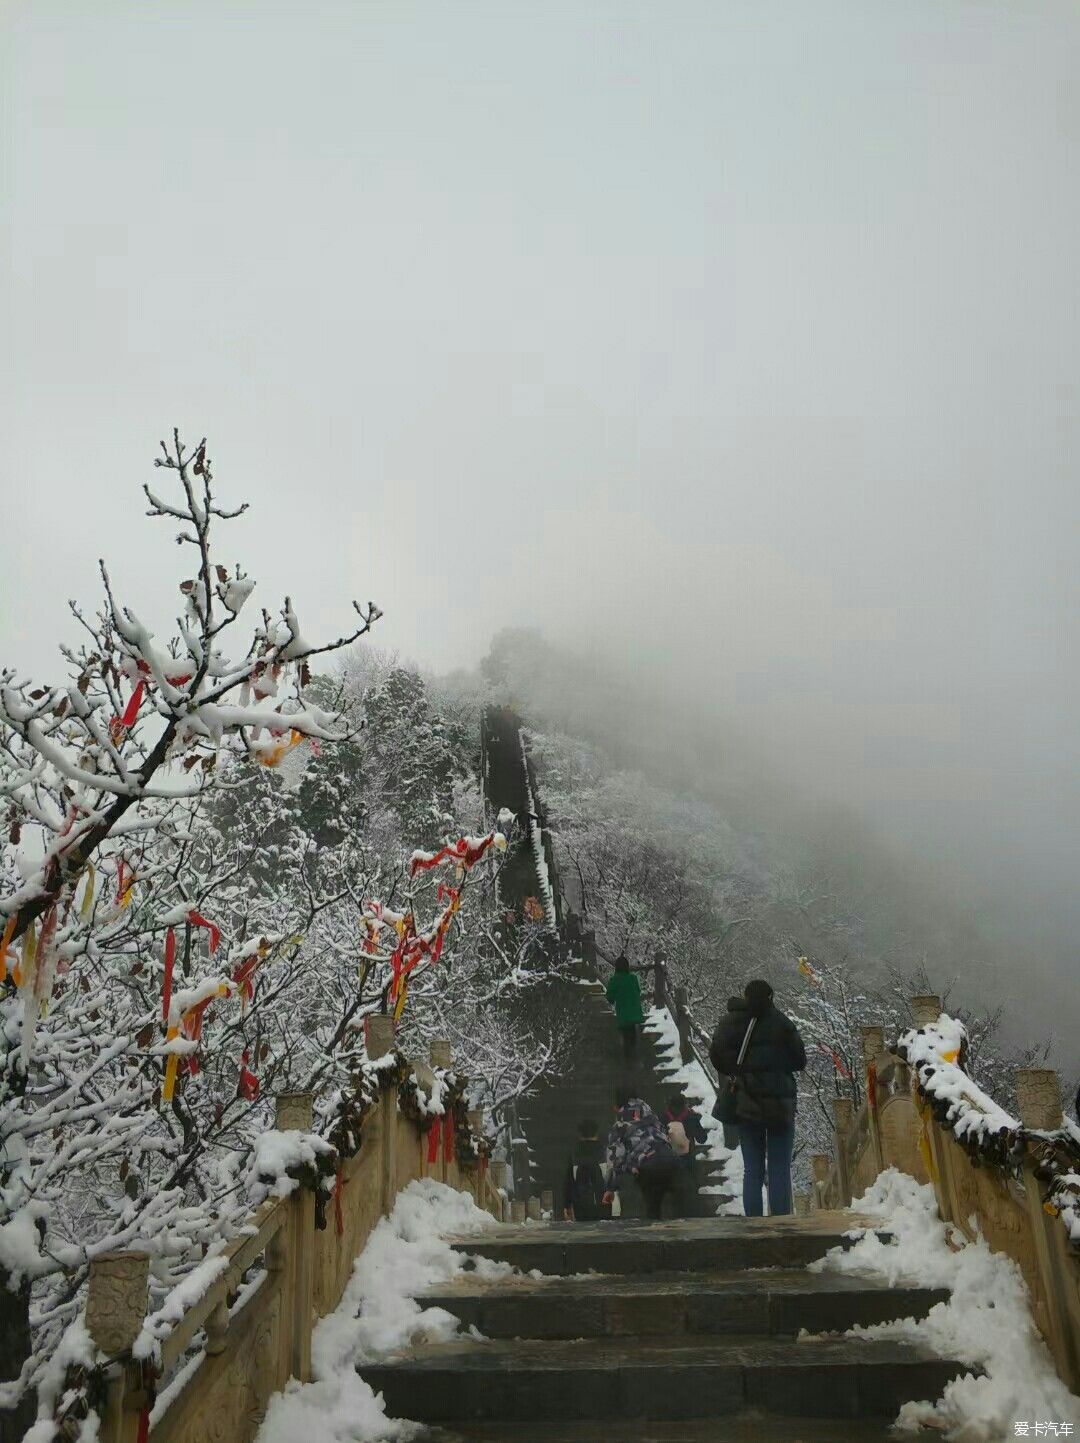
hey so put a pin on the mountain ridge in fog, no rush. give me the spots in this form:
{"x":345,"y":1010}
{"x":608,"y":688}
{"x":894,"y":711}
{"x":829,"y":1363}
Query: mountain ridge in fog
{"x":911,"y":913}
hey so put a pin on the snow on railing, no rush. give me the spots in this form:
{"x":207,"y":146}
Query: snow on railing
{"x":936,"y":1053}
{"x":316,"y":1202}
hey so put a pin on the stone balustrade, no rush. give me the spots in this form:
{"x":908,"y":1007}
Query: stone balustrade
{"x":278,"y":1278}
{"x":1000,"y":1192}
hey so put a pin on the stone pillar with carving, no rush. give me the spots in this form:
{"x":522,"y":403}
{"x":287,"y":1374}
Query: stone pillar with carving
{"x":1038,"y":1094}
{"x":293,"y":1113}
{"x":115,"y":1309}
{"x":925,"y":1008}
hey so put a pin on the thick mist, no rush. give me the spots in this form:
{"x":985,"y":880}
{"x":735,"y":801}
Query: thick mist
{"x":735,"y":347}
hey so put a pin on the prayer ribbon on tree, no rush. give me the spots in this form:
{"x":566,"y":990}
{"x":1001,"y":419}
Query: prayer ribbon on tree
{"x":9,"y":932}
{"x":24,"y":968}
{"x":131,"y":711}
{"x":248,"y":1086}
{"x":465,"y":852}
{"x":399,"y":1006}
{"x":339,"y":1183}
{"x":190,"y":1024}
{"x":448,"y":1136}
{"x":807,"y":971}
{"x":166,"y":986}
{"x":837,"y":1061}
{"x":275,"y":755}
{"x":88,"y":895}
{"x":245,"y":973}
{"x":197,"y":920}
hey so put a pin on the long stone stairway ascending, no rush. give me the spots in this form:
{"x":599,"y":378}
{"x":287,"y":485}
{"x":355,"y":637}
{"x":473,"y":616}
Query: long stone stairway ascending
{"x":665,"y":1331}
{"x":587,"y":1090}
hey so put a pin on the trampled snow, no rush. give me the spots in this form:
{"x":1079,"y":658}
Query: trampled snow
{"x":986,"y":1322}
{"x":405,"y":1254}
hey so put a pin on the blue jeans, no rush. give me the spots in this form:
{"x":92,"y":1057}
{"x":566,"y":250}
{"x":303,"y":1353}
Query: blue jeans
{"x":766,"y":1149}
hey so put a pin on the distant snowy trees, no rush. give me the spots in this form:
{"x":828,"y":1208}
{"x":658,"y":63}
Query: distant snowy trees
{"x":654,"y":871}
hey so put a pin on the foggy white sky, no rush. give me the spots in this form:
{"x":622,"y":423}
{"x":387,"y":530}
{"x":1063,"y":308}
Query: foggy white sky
{"x":742,"y":336}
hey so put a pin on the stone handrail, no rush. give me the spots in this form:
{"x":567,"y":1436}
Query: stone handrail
{"x":271,"y":1284}
{"x":993,"y":1176}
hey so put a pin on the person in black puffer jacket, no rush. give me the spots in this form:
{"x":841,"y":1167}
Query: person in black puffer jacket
{"x":765,"y":1094}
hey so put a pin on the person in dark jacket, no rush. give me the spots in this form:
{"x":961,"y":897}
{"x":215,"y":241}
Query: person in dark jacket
{"x":585,"y":1184}
{"x":624,"y":994}
{"x":765,"y":1093}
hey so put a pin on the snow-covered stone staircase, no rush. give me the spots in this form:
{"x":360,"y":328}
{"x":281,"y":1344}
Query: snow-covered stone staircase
{"x":685,"y":1330}
{"x":587,"y":1090}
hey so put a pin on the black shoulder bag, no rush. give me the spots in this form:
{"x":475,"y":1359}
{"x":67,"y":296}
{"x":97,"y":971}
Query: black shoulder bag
{"x":727,"y":1093}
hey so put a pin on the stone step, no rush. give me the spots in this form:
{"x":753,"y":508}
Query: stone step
{"x":620,"y":1378}
{"x":775,"y":1302}
{"x":696,"y":1245}
{"x":748,"y":1426}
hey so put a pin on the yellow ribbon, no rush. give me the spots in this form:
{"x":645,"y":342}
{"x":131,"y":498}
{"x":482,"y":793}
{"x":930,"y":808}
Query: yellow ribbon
{"x":9,"y":932}
{"x":88,"y":895}
{"x":400,"y":1008}
{"x":169,"y":1085}
{"x":24,"y":970}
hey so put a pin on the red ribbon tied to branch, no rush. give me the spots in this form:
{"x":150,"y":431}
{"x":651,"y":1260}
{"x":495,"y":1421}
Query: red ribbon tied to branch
{"x":215,"y":932}
{"x":465,"y":852}
{"x":170,"y":963}
{"x":837,"y":1061}
{"x":248,"y":1086}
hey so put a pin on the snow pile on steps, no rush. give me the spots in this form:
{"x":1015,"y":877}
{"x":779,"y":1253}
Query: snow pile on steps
{"x":695,"y":1083}
{"x":405,"y":1254}
{"x":986,"y":1322}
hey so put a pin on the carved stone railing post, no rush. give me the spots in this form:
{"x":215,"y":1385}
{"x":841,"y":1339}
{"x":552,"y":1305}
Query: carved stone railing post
{"x":115,"y":1309}
{"x":821,"y":1166}
{"x":380,"y":1042}
{"x":441,"y":1053}
{"x":1038,"y":1094}
{"x":844,"y":1119}
{"x":873,"y":1048}
{"x":500,"y":1177}
{"x":802,"y":1203}
{"x":547,"y":1202}
{"x":925,"y":1008}
{"x":533,"y":1209}
{"x":293,"y":1113}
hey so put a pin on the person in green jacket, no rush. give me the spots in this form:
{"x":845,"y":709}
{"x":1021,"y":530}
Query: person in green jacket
{"x":624,"y":994}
